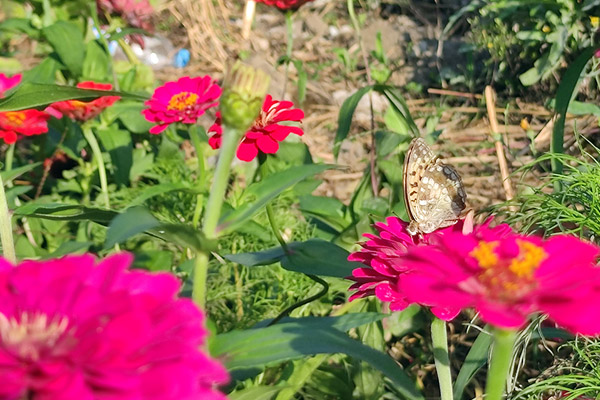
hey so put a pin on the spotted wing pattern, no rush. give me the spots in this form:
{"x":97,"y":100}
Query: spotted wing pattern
{"x":433,"y":191}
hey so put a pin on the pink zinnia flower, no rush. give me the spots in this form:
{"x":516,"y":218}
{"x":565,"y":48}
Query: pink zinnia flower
{"x":181,"y":101}
{"x":24,"y":122}
{"x":76,"y":329}
{"x":266,"y":132}
{"x":384,"y":258}
{"x":284,"y":4}
{"x":507,"y":279}
{"x":7,"y":83}
{"x":83,"y":110}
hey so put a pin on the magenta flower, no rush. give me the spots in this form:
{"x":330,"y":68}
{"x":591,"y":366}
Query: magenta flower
{"x":76,"y":329}
{"x":266,"y":132}
{"x":384,"y":256}
{"x":7,"y":83}
{"x":507,"y":279}
{"x":183,"y":100}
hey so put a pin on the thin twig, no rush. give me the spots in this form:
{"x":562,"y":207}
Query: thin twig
{"x":491,"y":107}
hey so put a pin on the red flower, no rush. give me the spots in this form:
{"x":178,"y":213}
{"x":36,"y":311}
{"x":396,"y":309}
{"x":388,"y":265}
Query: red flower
{"x":25,"y":122}
{"x":82,"y":110}
{"x":284,"y":4}
{"x":266,"y":132}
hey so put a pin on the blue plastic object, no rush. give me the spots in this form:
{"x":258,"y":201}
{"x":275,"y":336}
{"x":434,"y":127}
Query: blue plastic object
{"x":182,"y":58}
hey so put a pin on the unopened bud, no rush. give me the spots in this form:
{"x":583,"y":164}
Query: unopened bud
{"x":243,"y":95}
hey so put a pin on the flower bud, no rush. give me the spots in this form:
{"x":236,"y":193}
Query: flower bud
{"x":243,"y":95}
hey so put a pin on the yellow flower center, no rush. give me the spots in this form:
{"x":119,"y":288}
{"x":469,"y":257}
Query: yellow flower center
{"x":595,"y":21}
{"x":15,"y":117}
{"x":506,"y":277}
{"x":182,"y":100}
{"x":31,"y":334}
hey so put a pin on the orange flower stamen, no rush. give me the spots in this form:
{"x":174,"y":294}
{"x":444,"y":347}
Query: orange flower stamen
{"x":16,"y":117}
{"x":182,"y":100}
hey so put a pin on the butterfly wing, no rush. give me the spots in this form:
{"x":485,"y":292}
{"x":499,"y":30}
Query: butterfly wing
{"x":417,"y":158}
{"x":440,"y":198}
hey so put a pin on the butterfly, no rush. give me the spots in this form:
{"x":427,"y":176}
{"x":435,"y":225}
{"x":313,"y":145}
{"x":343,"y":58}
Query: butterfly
{"x":434,"y":194}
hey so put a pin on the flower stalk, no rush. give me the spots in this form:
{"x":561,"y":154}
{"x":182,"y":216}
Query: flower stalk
{"x":240,"y":104}
{"x":6,"y":234}
{"x":439,"y":338}
{"x":91,"y":139}
{"x":200,"y":172}
{"x":504,"y":341}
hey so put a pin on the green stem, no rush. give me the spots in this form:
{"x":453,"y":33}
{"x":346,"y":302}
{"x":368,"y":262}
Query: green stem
{"x":275,"y":228}
{"x":200,"y":174}
{"x":96,"y":21}
{"x":200,"y":275}
{"x":91,"y":139}
{"x":289,"y":23}
{"x":499,"y":365}
{"x":6,"y":234}
{"x":439,"y":338}
{"x":10,"y":155}
{"x":231,"y":138}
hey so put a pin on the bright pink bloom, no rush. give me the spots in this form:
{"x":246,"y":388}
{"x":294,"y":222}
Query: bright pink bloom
{"x":83,"y":110}
{"x":266,"y":132}
{"x":7,"y":83}
{"x":384,"y":256}
{"x":76,"y":329}
{"x":24,"y":122}
{"x":507,"y":279}
{"x":284,"y":4}
{"x":181,"y":101}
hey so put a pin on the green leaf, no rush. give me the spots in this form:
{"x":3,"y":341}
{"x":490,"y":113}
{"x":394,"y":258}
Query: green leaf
{"x":44,"y":72}
{"x":96,"y":63}
{"x":303,"y":370}
{"x":130,"y":115}
{"x":8,"y":176}
{"x":37,"y":95}
{"x":319,"y":257}
{"x":157,"y":190}
{"x":291,"y":339}
{"x":476,"y":358}
{"x":326,"y":209}
{"x":259,"y":194}
{"x":19,"y":25}
{"x":313,"y":257}
{"x":564,"y":94}
{"x":399,"y":105}
{"x":67,"y":40}
{"x":65,"y":212}
{"x":132,"y":221}
{"x":345,"y":117}
{"x":118,"y":144}
{"x":69,"y":247}
{"x":256,"y":393}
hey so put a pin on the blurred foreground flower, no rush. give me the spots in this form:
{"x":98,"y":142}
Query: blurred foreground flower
{"x":183,"y":101}
{"x":83,"y":110}
{"x":76,"y":329}
{"x":284,"y":4}
{"x":385,"y":258}
{"x":266,"y":132}
{"x":24,"y":122}
{"x":136,"y":12}
{"x":507,"y":279}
